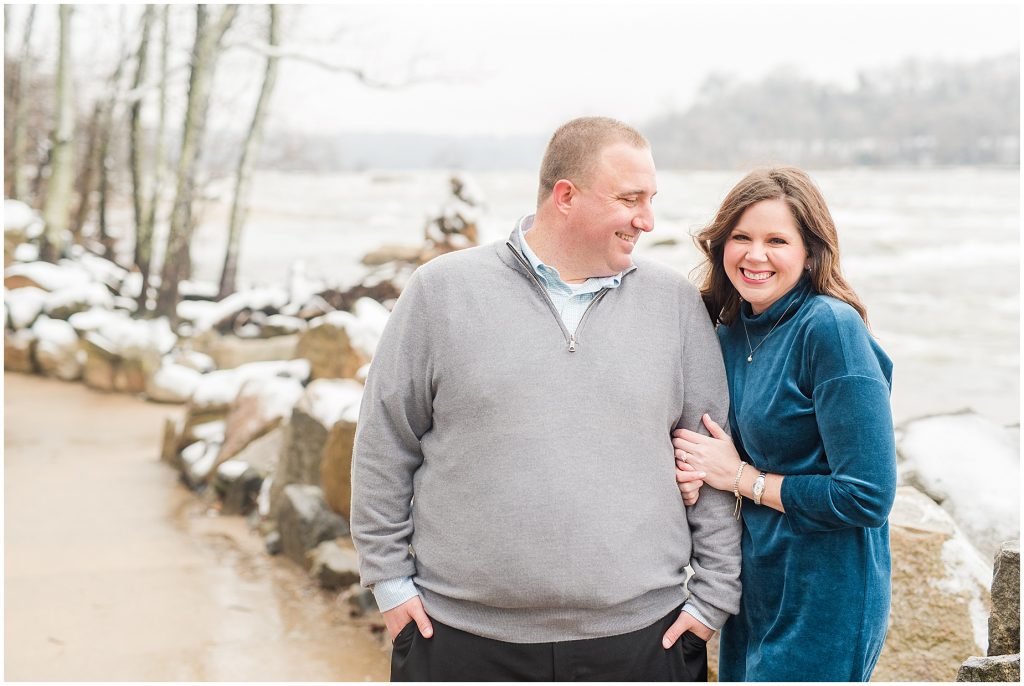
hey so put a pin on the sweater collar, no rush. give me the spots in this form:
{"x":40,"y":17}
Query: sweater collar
{"x":783,"y":309}
{"x":515,"y":242}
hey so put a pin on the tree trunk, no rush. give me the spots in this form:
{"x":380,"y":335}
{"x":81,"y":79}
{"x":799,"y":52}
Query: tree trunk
{"x":243,"y":179}
{"x":58,"y":194}
{"x":86,"y":178}
{"x":18,"y":180}
{"x":144,"y":236}
{"x":135,"y":152}
{"x":177,"y":261}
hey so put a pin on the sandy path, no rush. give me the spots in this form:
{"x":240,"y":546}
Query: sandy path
{"x":113,"y":572}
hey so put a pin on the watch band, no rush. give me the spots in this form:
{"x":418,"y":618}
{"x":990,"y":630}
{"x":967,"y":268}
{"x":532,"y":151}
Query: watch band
{"x":759,"y":488}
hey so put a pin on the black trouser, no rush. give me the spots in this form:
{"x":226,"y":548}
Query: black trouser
{"x":454,"y":655}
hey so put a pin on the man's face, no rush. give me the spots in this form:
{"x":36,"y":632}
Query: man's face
{"x":612,"y":209}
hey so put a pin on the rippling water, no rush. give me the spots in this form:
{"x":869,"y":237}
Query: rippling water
{"x":933,"y":254}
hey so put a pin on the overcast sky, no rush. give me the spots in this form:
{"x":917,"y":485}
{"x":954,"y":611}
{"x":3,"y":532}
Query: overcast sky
{"x":526,"y":67}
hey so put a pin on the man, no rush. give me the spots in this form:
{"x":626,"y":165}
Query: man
{"x":514,"y":502}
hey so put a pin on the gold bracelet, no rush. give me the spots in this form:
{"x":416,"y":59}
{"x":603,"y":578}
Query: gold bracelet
{"x":736,"y":490}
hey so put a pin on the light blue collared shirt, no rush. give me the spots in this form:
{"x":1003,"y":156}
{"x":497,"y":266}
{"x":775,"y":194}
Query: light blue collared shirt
{"x":571,"y":300}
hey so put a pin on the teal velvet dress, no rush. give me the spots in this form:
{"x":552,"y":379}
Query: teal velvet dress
{"x":813,"y":406}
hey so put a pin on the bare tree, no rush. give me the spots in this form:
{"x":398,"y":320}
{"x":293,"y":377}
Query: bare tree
{"x":142,"y":230}
{"x":250,"y":149}
{"x":58,"y":195}
{"x":17,"y":182}
{"x":177,"y":262}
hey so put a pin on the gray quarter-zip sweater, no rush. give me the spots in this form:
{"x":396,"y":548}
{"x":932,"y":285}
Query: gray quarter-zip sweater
{"x":523,"y":474}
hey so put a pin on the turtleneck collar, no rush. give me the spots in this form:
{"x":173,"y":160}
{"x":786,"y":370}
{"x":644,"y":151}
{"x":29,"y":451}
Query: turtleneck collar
{"x":781,"y":310}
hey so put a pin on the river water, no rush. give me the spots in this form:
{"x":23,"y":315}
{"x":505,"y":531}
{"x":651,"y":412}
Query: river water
{"x":933,"y":254}
{"x":113,"y":571}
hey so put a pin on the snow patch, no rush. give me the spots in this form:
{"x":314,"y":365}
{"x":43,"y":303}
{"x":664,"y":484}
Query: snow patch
{"x":24,"y":305}
{"x":332,"y":400}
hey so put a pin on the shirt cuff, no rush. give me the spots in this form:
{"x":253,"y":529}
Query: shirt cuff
{"x":689,"y":609}
{"x":391,"y":593}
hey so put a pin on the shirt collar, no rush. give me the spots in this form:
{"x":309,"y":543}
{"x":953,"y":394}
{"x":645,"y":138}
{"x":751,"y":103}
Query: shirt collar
{"x":548,"y":273}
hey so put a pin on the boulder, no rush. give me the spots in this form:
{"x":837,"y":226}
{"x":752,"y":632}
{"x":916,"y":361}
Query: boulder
{"x":229,"y":352}
{"x":44,"y":275}
{"x":329,"y":347}
{"x":197,"y":462}
{"x":237,"y":485}
{"x":999,"y":668}
{"x":23,"y":306}
{"x":263,"y":453}
{"x":261,"y":406}
{"x":172,"y":383}
{"x":70,"y":300}
{"x":304,"y":521}
{"x":333,"y":566}
{"x":57,"y":351}
{"x":324,"y":403}
{"x":1004,"y":622}
{"x":392,"y":253}
{"x":361,"y":601}
{"x":939,"y":594}
{"x":336,"y":467}
{"x":281,"y":325}
{"x":100,"y":363}
{"x":932,"y":457}
{"x":169,"y":445}
{"x":19,"y":347}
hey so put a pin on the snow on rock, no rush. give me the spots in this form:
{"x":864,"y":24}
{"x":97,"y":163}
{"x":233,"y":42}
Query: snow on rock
{"x":131,"y":285}
{"x":277,"y":395}
{"x":193,"y":359}
{"x":198,"y":459}
{"x":362,"y":335}
{"x":49,"y":277}
{"x":20,"y":217}
{"x":24,"y":305}
{"x":99,"y":269}
{"x":26,"y":252}
{"x":57,"y":349}
{"x":256,"y":299}
{"x":374,"y":317}
{"x":119,"y":333}
{"x":172,"y":383}
{"x":198,"y":289}
{"x":66,"y":301}
{"x":970,"y":466}
{"x":220,"y":388}
{"x":232,"y":469}
{"x":332,"y":400}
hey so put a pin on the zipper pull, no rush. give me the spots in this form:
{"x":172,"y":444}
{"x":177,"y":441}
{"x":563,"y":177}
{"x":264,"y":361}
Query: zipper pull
{"x":572,"y":342}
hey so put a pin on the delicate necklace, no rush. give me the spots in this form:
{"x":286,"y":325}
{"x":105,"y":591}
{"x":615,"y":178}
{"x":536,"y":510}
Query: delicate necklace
{"x":750,"y":357}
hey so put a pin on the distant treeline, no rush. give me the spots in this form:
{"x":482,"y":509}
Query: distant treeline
{"x":914,"y":114}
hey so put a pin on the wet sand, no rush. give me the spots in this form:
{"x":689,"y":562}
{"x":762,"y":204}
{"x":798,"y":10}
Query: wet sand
{"x":114,"y":570}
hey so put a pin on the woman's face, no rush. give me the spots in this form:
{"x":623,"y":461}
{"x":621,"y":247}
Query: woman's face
{"x":765,"y":254}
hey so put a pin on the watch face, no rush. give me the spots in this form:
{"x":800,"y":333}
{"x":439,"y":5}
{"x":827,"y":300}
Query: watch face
{"x":759,"y":486}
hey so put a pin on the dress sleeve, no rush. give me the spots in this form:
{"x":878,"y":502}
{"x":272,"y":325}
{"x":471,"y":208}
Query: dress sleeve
{"x":396,"y":411}
{"x":850,"y":376}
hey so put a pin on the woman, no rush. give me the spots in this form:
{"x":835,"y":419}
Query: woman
{"x":812,"y":442}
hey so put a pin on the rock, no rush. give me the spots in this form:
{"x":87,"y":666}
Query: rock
{"x":23,"y":306}
{"x":323,"y":404}
{"x":44,"y":275}
{"x":272,"y":542}
{"x":333,"y":566}
{"x":57,"y":351}
{"x":304,"y":521}
{"x":392,"y":253}
{"x":217,"y":390}
{"x":172,"y":383}
{"x":264,"y":452}
{"x":230,"y":352}
{"x":261,"y":406}
{"x":170,"y":442}
{"x":336,"y":467}
{"x":197,"y":462}
{"x":939,"y":594}
{"x":237,"y":484}
{"x":19,"y":348}
{"x":361,"y":601}
{"x":70,"y":300}
{"x":931,"y":460}
{"x":1000,"y":668}
{"x":193,"y":359}
{"x":329,"y":346}
{"x":1004,"y":622}
{"x":100,"y":363}
{"x":130,"y":376}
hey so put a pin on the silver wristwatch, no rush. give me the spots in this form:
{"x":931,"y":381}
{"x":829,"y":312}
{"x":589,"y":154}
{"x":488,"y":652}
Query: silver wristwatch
{"x":759,"y":488}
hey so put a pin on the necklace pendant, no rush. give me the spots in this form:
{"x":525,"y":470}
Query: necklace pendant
{"x":750,"y":358}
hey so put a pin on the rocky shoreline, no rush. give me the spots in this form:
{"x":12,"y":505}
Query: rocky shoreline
{"x":271,"y":381}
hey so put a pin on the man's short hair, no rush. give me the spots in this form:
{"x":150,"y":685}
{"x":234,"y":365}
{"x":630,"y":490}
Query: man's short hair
{"x":576,"y":146}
